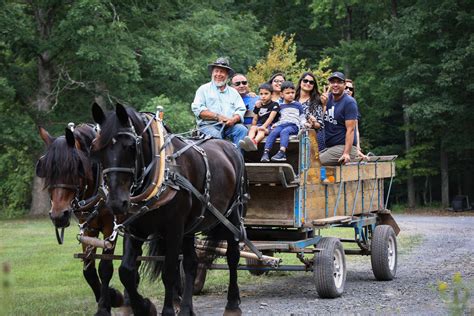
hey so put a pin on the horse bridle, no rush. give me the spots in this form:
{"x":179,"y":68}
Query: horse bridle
{"x":139,"y":159}
{"x":76,"y":204}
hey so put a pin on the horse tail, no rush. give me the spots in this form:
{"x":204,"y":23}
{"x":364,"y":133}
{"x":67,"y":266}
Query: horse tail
{"x":152,"y":269}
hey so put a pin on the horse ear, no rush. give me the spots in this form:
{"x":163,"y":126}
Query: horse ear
{"x":45,"y":136}
{"x":122,"y":114}
{"x":98,"y":114}
{"x":39,"y":169}
{"x":71,"y":141}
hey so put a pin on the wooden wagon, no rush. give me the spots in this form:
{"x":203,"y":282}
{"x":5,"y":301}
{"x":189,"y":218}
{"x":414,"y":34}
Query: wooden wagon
{"x":290,"y":204}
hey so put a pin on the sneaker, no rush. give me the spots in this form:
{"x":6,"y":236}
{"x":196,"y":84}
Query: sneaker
{"x":243,"y":145}
{"x":280,"y":156}
{"x":265,"y":157}
{"x":250,"y":144}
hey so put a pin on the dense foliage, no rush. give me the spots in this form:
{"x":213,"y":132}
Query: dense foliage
{"x":410,"y":61}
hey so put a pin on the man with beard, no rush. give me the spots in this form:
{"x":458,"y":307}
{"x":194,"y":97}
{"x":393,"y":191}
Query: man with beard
{"x":219,"y":109}
{"x":340,"y":122}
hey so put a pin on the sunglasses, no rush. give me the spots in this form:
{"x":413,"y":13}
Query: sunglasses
{"x":350,"y":88}
{"x":311,"y":82}
{"x":278,"y":81}
{"x":238,"y":83}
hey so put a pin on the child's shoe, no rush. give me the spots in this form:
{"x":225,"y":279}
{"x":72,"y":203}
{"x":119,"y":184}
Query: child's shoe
{"x":243,"y":145}
{"x":250,"y":144}
{"x":280,"y":156}
{"x":265,"y":157}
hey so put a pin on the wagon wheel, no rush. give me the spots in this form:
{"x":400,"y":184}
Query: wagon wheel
{"x":384,"y":253}
{"x":204,"y":261}
{"x":258,"y":263}
{"x":200,"y":278}
{"x":329,"y":269}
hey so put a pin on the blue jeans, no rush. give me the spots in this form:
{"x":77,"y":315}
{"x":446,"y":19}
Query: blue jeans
{"x":235,"y":133}
{"x":283,"y":131}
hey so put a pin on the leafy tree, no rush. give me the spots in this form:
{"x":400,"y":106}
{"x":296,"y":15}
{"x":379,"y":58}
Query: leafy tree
{"x":281,"y":57}
{"x":57,"y":57}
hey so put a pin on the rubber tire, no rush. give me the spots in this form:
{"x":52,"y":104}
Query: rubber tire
{"x":255,"y":262}
{"x":383,"y":238}
{"x":324,"y":268}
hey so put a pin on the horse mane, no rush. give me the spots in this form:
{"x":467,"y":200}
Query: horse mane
{"x":111,"y":127}
{"x":62,"y":164}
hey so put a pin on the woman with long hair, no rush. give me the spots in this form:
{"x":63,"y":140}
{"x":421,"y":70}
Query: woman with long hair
{"x":275,"y":81}
{"x":308,"y":95}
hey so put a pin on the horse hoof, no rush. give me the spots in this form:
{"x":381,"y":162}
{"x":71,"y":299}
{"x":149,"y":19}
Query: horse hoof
{"x":116,"y":298}
{"x":151,"y":308}
{"x":102,"y":312}
{"x":125,"y":311}
{"x":186,"y":312}
{"x":233,"y":312}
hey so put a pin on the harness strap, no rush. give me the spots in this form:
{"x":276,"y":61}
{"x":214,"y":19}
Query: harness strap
{"x":189,"y":145}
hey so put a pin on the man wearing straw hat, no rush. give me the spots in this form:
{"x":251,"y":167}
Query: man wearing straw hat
{"x":219,"y":109}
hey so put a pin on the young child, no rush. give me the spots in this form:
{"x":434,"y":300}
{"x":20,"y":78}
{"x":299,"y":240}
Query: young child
{"x":291,"y":118}
{"x":265,"y":113}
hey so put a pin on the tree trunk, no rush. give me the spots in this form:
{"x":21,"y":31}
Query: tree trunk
{"x":394,"y":8}
{"x":444,"y":177}
{"x":410,"y":179}
{"x":348,"y":36}
{"x":40,"y":203}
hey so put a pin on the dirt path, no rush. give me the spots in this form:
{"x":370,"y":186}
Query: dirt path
{"x":446,"y":246}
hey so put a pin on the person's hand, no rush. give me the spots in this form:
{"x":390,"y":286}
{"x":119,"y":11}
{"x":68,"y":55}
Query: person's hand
{"x":325,"y":96}
{"x":360,"y":154}
{"x":262,"y":129}
{"x":345,"y":158}
{"x":258,"y":104}
{"x":308,"y":125}
{"x":252,"y":94}
{"x":229,"y":122}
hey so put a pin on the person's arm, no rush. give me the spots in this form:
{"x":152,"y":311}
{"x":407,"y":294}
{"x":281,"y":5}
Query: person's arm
{"x":350,"y":128}
{"x":255,"y":120}
{"x":270,"y":119}
{"x":239,"y":111}
{"x":210,"y":116}
{"x":360,"y":154}
{"x":200,"y":109}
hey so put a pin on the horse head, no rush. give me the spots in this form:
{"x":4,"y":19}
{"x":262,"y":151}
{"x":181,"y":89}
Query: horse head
{"x":118,"y":146}
{"x":66,"y":171}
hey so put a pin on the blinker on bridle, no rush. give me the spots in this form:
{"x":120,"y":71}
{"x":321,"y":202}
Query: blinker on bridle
{"x":130,"y":132}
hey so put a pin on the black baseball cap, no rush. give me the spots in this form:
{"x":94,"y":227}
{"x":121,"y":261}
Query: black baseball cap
{"x":337,"y":75}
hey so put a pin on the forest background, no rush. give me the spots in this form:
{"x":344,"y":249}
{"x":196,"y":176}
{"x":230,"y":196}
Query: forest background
{"x":411,"y":62}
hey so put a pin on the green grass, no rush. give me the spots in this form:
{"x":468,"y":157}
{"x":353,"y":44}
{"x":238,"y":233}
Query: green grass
{"x":45,"y":279}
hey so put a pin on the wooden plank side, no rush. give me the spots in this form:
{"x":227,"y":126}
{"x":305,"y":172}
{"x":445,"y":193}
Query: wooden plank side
{"x":314,"y":171}
{"x":270,"y":203}
{"x":316,"y":199}
{"x":384,"y":169}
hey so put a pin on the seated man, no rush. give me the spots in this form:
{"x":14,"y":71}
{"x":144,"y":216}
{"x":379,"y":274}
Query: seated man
{"x":340,"y":122}
{"x":240,"y":83}
{"x":219,"y":109}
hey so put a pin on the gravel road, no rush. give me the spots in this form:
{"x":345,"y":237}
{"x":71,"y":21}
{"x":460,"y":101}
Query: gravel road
{"x":445,"y":245}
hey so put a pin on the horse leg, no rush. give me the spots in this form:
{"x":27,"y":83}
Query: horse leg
{"x":233,"y":296}
{"x":128,"y":276}
{"x":110,"y":297}
{"x":90,"y":274}
{"x":190,"y":264}
{"x":89,"y":271}
{"x":169,"y":273}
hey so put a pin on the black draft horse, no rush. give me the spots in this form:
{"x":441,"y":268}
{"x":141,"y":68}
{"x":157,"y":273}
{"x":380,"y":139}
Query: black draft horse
{"x":73,"y":182}
{"x":215,"y":169}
